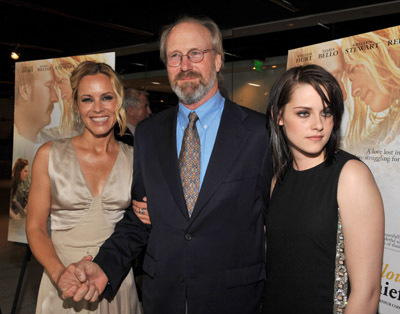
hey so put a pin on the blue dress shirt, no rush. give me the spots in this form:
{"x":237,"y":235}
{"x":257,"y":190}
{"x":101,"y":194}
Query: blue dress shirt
{"x":207,"y":126}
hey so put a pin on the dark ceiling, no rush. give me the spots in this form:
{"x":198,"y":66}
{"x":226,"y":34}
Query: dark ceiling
{"x":255,"y":29}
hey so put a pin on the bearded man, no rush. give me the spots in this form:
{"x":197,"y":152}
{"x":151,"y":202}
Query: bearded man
{"x":203,"y":167}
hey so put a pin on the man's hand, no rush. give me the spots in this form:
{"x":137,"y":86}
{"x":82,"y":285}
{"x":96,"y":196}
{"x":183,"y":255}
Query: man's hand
{"x":140,"y":210}
{"x":68,"y":283}
{"x":92,"y":278}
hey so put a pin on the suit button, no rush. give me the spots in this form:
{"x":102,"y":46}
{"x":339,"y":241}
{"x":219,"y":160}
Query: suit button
{"x":188,"y":237}
{"x":181,"y":278}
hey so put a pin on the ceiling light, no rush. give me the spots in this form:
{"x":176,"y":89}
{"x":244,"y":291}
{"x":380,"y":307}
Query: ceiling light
{"x":253,"y":84}
{"x":15,"y":54}
{"x":231,"y":54}
{"x":138,"y":64}
{"x":155,"y":83}
{"x":285,"y":4}
{"x":323,"y":25}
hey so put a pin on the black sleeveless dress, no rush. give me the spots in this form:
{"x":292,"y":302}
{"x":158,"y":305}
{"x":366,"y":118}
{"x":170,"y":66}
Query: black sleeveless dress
{"x":306,"y":271}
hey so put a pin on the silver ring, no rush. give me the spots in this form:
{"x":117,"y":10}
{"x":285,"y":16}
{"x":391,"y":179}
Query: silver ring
{"x":142,"y":211}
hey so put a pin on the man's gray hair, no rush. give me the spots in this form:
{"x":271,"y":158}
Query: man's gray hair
{"x":132,"y":97}
{"x":216,"y":36}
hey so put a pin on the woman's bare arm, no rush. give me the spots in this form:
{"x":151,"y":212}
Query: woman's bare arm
{"x":361,"y":209}
{"x":38,"y":213}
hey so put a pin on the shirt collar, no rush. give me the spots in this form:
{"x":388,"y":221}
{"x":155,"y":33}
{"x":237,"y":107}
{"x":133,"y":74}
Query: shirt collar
{"x":131,"y":128}
{"x":206,"y":112}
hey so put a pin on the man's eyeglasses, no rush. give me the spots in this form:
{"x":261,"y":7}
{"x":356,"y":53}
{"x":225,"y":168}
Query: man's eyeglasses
{"x":195,"y":56}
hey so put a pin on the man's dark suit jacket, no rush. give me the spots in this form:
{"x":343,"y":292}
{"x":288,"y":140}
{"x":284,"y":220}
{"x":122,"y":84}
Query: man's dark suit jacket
{"x":213,"y":261}
{"x":126,"y":138}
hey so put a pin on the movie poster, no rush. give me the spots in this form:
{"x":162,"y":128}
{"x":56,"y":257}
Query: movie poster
{"x":43,"y":111}
{"x":367,"y":67}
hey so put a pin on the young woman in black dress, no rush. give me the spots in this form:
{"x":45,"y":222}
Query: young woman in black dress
{"x":325,"y":222}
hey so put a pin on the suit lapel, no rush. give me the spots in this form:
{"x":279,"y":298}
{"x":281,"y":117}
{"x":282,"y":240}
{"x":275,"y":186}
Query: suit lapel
{"x":167,"y":154}
{"x":229,"y":141}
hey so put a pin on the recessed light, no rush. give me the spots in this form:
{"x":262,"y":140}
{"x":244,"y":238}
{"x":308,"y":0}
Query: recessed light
{"x":14,"y":55}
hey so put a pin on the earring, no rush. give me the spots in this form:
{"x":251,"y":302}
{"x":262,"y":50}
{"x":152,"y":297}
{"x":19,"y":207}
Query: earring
{"x":78,"y":125}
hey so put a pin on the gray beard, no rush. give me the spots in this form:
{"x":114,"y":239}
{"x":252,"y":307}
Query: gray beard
{"x":191,"y":93}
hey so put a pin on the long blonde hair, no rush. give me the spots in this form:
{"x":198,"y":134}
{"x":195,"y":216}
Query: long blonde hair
{"x":383,"y":64}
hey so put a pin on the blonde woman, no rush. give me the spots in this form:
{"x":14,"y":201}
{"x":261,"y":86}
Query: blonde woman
{"x":83,"y":183}
{"x":70,"y":123}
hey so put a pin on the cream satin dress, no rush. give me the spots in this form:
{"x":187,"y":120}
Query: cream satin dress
{"x":80,"y":223}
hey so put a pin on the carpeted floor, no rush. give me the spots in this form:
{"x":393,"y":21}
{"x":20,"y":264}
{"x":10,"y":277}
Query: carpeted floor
{"x":11,"y":260}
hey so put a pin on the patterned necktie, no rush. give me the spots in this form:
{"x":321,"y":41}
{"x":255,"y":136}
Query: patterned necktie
{"x":189,"y":163}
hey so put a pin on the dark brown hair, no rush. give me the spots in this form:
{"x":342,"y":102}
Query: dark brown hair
{"x":281,"y":94}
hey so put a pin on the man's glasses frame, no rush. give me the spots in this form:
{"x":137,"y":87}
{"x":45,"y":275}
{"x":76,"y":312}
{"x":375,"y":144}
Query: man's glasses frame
{"x":195,"y":56}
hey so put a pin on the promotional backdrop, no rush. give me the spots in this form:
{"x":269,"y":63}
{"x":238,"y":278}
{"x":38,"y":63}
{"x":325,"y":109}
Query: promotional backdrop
{"x":367,"y":67}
